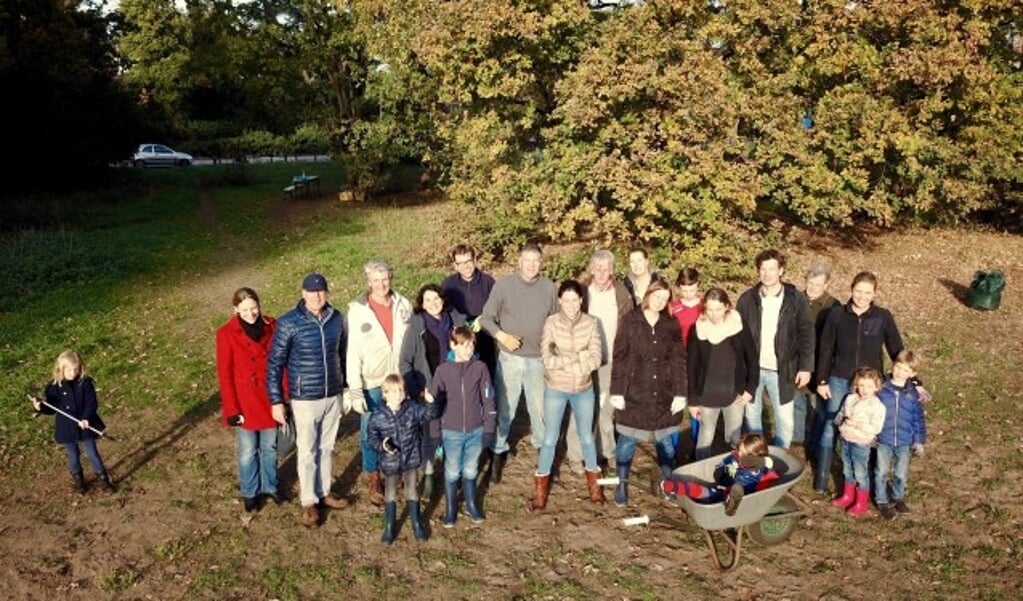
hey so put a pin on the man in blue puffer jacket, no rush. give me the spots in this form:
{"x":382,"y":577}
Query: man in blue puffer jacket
{"x":308,"y":345}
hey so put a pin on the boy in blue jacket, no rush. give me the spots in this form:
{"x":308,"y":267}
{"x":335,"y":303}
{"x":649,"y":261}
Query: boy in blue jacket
{"x":904,"y":433}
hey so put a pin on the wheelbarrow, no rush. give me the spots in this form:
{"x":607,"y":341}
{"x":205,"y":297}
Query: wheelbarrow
{"x":768,"y":516}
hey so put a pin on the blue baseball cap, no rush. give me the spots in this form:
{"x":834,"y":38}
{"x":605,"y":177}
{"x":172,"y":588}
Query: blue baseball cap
{"x":314,"y":282}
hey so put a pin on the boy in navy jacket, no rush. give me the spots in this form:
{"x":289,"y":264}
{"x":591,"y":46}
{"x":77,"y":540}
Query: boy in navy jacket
{"x":904,"y":433}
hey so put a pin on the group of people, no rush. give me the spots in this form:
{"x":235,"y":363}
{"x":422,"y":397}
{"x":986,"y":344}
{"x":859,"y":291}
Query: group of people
{"x":443,"y":377}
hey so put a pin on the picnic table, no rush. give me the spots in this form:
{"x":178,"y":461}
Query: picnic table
{"x":301,"y":185}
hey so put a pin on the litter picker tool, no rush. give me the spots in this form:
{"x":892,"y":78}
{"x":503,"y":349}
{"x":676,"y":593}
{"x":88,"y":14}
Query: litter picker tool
{"x":100,"y":433}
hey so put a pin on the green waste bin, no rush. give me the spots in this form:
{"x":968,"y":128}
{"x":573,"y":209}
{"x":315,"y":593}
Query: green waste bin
{"x":986,"y":290}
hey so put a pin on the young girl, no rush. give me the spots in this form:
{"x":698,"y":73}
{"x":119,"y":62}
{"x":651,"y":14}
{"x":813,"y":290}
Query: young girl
{"x":469,"y":423}
{"x":73,"y":392}
{"x":860,"y":420}
{"x":745,"y":470}
{"x":395,"y":430}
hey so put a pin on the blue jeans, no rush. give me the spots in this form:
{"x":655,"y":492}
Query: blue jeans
{"x":74,"y":459}
{"x":626,"y":448}
{"x":554,"y":402}
{"x":806,"y":403}
{"x":518,"y":376}
{"x":782,"y":413}
{"x":838,"y":388}
{"x":257,"y":461}
{"x":461,"y":453}
{"x":856,"y":458}
{"x":370,"y":458}
{"x":885,"y":453}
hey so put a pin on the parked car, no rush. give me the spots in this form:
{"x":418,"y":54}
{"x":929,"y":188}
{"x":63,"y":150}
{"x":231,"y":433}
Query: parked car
{"x":157,"y":154}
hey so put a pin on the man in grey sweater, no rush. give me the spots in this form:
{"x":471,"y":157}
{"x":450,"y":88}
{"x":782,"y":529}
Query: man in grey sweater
{"x":514,"y":315}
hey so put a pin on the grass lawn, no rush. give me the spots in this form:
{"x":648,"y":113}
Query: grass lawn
{"x":140,"y":285}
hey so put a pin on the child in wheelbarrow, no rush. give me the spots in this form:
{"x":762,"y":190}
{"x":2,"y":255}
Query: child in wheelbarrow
{"x":745,"y":470}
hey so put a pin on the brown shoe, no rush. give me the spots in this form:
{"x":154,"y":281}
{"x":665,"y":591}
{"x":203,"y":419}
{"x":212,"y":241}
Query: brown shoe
{"x":596,"y":492}
{"x":375,"y":484}
{"x":310,"y":516}
{"x":541,"y":488}
{"x":335,"y":502}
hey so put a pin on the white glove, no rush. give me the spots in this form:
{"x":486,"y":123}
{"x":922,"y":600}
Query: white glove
{"x":357,"y":400}
{"x":617,"y":401}
{"x":678,"y":404}
{"x":346,"y":403}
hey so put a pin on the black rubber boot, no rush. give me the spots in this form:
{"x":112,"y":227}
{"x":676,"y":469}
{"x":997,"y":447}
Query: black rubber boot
{"x":390,"y":528}
{"x":497,"y":467}
{"x":820,"y":478}
{"x":450,"y":503}
{"x":107,"y":484}
{"x":469,"y":492}
{"x":417,"y":523}
{"x":622,"y":490}
{"x":78,"y":482}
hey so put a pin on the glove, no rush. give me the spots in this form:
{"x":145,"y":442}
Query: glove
{"x":924,"y":395}
{"x":839,"y":419}
{"x":918,"y":449}
{"x":474,"y":325}
{"x":488,"y":439}
{"x":678,"y":404}
{"x":617,"y":401}
{"x":357,"y":400}
{"x":36,"y":403}
{"x":508,"y":341}
{"x":389,"y":447}
{"x":235,"y":420}
{"x":346,"y":404}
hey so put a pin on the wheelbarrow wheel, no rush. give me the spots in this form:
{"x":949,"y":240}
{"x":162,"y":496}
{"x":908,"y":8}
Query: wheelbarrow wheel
{"x":777,"y":526}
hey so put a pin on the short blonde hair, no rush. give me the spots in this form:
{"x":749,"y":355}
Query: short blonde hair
{"x":913,"y":360}
{"x":393,"y":382}
{"x":68,"y":358}
{"x":752,"y":444}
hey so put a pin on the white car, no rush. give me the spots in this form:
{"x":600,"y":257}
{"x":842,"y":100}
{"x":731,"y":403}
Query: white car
{"x":157,"y":154}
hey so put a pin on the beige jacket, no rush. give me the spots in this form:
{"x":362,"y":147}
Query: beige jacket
{"x":864,"y":419}
{"x":571,"y":352}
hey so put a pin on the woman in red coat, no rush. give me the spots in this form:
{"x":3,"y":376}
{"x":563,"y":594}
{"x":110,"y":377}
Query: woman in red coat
{"x":242,"y":345}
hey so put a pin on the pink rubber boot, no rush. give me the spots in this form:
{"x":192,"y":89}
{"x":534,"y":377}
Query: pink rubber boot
{"x":848,"y":496}
{"x":860,"y":506}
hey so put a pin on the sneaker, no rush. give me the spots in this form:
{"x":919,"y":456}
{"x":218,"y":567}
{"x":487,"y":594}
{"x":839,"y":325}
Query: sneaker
{"x":888,"y":511}
{"x":901,"y":506}
{"x":310,"y":516}
{"x":733,"y":499}
{"x":251,"y":504}
{"x":669,"y":488}
{"x":334,"y":502}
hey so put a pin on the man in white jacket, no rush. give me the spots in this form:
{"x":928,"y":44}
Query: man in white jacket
{"x":377,"y":320}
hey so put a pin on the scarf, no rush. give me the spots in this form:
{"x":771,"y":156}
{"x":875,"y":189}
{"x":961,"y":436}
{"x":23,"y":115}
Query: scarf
{"x":253,"y":330}
{"x":440,"y":328}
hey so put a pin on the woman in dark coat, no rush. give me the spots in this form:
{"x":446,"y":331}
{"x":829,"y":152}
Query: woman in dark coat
{"x":648,"y":382}
{"x":242,"y":346}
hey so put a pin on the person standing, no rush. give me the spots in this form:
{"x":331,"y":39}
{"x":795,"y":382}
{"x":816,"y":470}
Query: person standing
{"x":855,"y":335}
{"x":243,"y":345}
{"x":467,"y":291}
{"x":648,"y":383}
{"x":818,"y":276}
{"x":608,"y":301}
{"x":640,"y":275}
{"x":377,"y":320}
{"x":514,"y":315}
{"x":778,"y":317}
{"x":308,"y":344}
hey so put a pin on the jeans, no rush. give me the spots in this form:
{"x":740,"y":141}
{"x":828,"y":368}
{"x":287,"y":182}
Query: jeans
{"x":626,"y":448}
{"x":370,"y":457}
{"x":74,"y":459}
{"x":461,"y":453}
{"x":782,"y":413}
{"x":838,"y":388}
{"x":856,"y":458}
{"x":709,"y":423}
{"x":604,"y":436}
{"x":554,"y":402}
{"x":518,"y":376}
{"x":257,"y":461}
{"x":885,"y":453}
{"x":316,"y":424}
{"x":409,"y":479}
{"x":804,"y":403}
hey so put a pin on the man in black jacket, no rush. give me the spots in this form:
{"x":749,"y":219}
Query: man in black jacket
{"x":778,"y":317}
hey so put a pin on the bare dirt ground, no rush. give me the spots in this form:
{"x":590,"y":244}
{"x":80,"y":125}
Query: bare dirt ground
{"x":175,"y":528}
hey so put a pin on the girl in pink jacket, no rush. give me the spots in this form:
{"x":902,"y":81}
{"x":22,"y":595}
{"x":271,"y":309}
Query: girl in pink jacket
{"x":859,"y":421}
